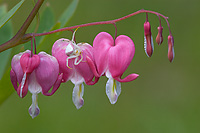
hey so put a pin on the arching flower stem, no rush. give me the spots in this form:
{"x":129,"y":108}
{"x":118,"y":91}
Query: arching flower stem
{"x":20,"y":39}
{"x":104,"y":22}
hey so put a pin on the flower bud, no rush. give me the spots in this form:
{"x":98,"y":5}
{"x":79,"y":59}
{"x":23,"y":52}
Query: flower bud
{"x":148,"y":40}
{"x":171,"y":48}
{"x":159,"y":38}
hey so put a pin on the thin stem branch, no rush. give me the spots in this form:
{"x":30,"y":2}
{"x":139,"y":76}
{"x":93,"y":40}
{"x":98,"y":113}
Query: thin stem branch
{"x":147,"y":17}
{"x":30,"y":18}
{"x":35,"y":45}
{"x":100,"y":23}
{"x":115,"y":30}
{"x":31,"y":47}
{"x":22,"y":37}
{"x":159,"y":21}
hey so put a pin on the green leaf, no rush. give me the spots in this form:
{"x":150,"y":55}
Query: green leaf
{"x":47,"y":19}
{"x":9,"y":15}
{"x":3,"y":10}
{"x":6,"y":33}
{"x":68,"y":13}
{"x":46,"y":22}
{"x":6,"y":88}
{"x":48,"y":40}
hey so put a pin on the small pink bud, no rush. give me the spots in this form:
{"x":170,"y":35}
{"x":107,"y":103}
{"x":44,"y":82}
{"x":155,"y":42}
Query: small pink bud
{"x":171,"y":48}
{"x":148,"y":41}
{"x":159,"y":38}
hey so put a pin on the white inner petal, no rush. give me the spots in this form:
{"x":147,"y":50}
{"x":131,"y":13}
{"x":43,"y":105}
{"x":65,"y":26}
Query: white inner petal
{"x":118,"y":87}
{"x":77,"y":78}
{"x":34,"y":109}
{"x":113,"y":90}
{"x":108,"y":74}
{"x":152,"y":45}
{"x":145,"y":46}
{"x":33,"y":85}
{"x":77,"y":95}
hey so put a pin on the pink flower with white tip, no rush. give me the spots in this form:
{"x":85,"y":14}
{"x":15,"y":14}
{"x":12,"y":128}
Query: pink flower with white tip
{"x":36,"y":73}
{"x":72,"y":62}
{"x":112,"y":58}
{"x":148,"y":40}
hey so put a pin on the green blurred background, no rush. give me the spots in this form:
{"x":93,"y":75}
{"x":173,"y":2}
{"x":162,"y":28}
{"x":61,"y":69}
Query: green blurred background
{"x":164,"y":99}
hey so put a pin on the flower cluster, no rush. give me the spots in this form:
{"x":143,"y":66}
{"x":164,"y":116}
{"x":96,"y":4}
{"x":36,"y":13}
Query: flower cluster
{"x":80,"y":63}
{"x":148,"y":40}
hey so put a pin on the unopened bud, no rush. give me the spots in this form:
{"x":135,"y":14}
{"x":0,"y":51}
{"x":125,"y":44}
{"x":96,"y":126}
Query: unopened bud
{"x":159,"y":38}
{"x":148,"y":40}
{"x":171,"y":48}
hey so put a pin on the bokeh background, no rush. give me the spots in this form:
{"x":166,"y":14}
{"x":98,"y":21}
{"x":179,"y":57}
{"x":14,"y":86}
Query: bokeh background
{"x":164,"y":99}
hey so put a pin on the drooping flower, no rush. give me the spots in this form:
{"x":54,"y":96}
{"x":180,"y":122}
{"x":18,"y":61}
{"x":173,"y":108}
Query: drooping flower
{"x":112,"y":58}
{"x":148,"y":40}
{"x":171,"y":53}
{"x":159,"y":37}
{"x":72,"y":62}
{"x":37,"y":73}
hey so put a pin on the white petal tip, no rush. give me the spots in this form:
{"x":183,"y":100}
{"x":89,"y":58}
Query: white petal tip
{"x":113,"y":101}
{"x":77,"y":96}
{"x":79,"y":104}
{"x":113,"y":90}
{"x":34,"y":112}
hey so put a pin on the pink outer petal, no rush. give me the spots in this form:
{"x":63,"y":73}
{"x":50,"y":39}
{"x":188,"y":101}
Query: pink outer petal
{"x":55,"y":87}
{"x":94,"y":70}
{"x":101,"y":44}
{"x":13,"y":79}
{"x":171,"y":53}
{"x":129,"y":78}
{"x":92,"y":66}
{"x":58,"y":51}
{"x":159,"y":37}
{"x":83,"y":68}
{"x":16,"y":67}
{"x":120,"y":55}
{"x":47,"y":72}
{"x":147,"y":28}
{"x":93,"y":82}
{"x":149,"y":45}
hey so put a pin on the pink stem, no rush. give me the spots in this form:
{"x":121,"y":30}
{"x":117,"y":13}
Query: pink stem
{"x":115,"y":31}
{"x":103,"y":22}
{"x":21,"y":37}
{"x":35,"y":44}
{"x":147,"y":17}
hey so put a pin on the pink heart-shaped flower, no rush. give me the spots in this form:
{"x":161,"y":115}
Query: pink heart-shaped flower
{"x":112,"y":56}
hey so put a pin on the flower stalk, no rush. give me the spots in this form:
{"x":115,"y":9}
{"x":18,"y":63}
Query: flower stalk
{"x":23,"y":37}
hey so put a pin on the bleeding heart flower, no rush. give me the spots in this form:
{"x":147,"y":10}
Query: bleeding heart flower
{"x":37,"y":73}
{"x":148,"y":40}
{"x":159,"y":37}
{"x":72,"y":62}
{"x":112,"y":58}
